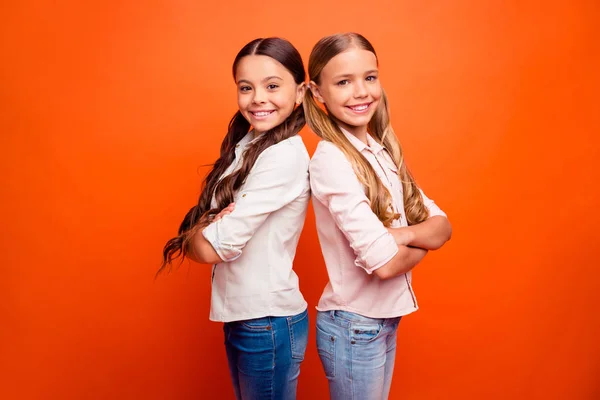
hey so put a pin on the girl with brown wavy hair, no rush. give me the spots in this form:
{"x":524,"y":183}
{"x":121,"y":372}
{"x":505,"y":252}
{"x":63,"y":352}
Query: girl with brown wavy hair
{"x":373,"y":221}
{"x":248,"y":221}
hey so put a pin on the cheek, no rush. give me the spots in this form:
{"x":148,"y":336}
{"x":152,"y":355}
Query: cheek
{"x":376,"y":93}
{"x":242,"y":102}
{"x":285,"y":101}
{"x":335,"y":98}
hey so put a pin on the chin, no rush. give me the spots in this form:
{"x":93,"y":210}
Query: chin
{"x":262,"y":128}
{"x":356,"y":122}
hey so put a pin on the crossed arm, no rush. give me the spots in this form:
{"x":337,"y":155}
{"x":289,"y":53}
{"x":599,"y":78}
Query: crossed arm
{"x":383,"y":252}
{"x":278,"y":177}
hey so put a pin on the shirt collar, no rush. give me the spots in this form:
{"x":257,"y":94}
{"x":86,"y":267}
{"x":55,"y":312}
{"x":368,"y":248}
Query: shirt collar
{"x":360,"y":146}
{"x":245,"y":141}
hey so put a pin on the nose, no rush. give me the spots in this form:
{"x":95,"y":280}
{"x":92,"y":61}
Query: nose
{"x":360,"y":89}
{"x":259,"y":96}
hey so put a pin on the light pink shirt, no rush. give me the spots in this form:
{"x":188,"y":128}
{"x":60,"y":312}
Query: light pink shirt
{"x":353,"y":240}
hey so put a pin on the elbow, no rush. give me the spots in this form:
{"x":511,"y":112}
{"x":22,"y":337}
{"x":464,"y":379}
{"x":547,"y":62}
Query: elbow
{"x":383,"y":273}
{"x":398,"y":264}
{"x":202,"y":252}
{"x":205,"y":259}
{"x":195,"y":254}
{"x":445,"y":235}
{"x":191,"y":255}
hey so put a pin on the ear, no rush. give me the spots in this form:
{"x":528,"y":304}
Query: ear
{"x":300,"y":93}
{"x":316,"y":92}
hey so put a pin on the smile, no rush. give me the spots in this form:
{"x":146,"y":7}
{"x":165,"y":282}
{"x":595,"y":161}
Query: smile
{"x":261,"y":114}
{"x":360,"y":108}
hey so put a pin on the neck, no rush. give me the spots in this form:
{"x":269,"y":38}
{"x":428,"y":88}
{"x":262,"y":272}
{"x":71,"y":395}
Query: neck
{"x":360,"y":132}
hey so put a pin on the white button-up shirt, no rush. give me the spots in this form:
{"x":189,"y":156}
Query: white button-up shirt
{"x":258,"y":240}
{"x":353,"y":240}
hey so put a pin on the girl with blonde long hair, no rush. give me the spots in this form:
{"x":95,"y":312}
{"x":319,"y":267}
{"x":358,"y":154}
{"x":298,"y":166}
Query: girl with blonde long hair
{"x":374,"y":223}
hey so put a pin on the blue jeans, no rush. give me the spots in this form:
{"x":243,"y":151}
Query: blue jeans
{"x":264,"y":356}
{"x":357,"y":354}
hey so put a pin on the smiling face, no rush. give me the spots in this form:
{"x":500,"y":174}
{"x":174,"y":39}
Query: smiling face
{"x":349,"y":86}
{"x":267,"y":92}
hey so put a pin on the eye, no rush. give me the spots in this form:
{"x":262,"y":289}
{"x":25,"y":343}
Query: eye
{"x":245,"y":88}
{"x":272,"y":86}
{"x":343,"y":82}
{"x":371,"y":78}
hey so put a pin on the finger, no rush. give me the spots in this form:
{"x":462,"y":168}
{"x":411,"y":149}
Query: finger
{"x":222,"y":214}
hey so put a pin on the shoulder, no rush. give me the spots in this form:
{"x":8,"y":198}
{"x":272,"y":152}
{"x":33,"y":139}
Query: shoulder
{"x":290,"y":152}
{"x":328,"y":155}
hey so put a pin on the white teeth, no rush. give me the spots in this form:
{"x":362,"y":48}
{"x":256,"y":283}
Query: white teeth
{"x":262,"y":113}
{"x":360,"y":108}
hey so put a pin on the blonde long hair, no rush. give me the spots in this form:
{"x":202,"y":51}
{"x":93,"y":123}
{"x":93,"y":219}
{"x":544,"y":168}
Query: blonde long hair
{"x":325,"y":126}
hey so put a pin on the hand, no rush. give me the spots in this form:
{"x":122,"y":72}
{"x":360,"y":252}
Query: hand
{"x":403,"y":236}
{"x":224,"y":212}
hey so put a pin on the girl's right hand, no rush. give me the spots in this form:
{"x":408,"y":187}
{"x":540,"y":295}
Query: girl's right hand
{"x":403,"y":236}
{"x":224,"y":212}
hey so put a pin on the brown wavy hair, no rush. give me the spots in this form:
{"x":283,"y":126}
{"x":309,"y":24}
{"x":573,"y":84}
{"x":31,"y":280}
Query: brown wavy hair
{"x":325,"y":126}
{"x":224,"y":189}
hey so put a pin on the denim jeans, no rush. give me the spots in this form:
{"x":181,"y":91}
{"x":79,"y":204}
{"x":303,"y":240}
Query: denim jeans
{"x":357,"y":354}
{"x":264,"y":356}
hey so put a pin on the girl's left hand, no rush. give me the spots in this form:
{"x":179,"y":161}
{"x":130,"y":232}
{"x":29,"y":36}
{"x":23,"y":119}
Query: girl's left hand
{"x":224,"y":212}
{"x":403,"y":236}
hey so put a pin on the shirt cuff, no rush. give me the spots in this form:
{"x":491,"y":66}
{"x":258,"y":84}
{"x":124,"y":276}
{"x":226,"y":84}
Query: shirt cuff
{"x":378,"y":254}
{"x":227,"y":252}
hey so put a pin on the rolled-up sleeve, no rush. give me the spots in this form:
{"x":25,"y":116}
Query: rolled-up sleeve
{"x":334,"y":184}
{"x":433,"y":208}
{"x":279,"y":175}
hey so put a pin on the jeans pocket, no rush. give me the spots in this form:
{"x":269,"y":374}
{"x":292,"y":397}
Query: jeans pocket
{"x":326,"y":351}
{"x":364,"y":333}
{"x":298,"y":329}
{"x":257,"y":324}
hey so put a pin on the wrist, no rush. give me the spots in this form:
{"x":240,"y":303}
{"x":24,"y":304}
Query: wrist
{"x":410,"y":234}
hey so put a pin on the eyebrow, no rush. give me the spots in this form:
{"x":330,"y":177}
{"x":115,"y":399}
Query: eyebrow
{"x":268,"y":78}
{"x":373,"y":71}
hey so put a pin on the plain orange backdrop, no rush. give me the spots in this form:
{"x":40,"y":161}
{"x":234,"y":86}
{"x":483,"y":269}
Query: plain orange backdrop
{"x":109,"y":110}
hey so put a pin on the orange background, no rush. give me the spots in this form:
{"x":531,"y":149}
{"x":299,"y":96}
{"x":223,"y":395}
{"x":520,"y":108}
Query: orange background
{"x":108,"y":109}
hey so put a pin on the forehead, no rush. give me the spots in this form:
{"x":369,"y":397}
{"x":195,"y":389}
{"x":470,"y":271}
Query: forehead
{"x":256,"y":68}
{"x":351,"y":62}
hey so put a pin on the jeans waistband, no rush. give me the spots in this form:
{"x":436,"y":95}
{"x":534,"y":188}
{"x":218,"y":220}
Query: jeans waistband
{"x":350,"y":317}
